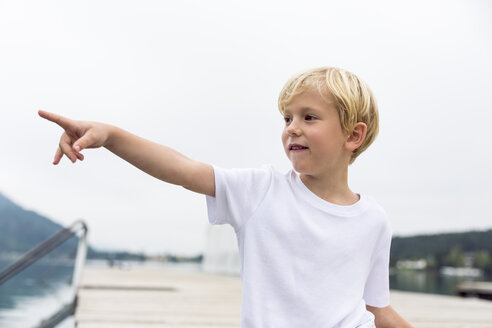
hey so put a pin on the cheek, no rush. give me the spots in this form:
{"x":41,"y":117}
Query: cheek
{"x":321,"y":141}
{"x":284,"y":137}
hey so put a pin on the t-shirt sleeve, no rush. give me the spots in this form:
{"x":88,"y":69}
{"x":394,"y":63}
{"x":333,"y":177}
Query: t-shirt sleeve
{"x":377,"y":289}
{"x":238,"y":193}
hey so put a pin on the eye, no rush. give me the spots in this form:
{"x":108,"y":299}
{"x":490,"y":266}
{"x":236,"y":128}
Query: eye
{"x":287,"y":119}
{"x":310,"y":118}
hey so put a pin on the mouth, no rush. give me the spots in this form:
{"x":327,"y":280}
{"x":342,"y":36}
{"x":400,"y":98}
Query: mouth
{"x":297,"y":147}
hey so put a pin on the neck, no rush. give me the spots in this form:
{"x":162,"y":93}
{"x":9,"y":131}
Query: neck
{"x":332,"y":187}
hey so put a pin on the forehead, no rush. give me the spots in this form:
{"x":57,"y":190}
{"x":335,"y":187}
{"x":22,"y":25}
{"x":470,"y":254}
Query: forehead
{"x":310,"y":99}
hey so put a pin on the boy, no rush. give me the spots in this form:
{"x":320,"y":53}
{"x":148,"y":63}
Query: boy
{"x":313,"y":253}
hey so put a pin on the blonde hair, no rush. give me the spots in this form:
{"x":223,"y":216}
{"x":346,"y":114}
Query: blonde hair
{"x":354,"y":100}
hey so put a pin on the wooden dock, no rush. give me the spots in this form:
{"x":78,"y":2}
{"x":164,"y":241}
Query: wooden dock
{"x":156,"y":297}
{"x":480,"y":289}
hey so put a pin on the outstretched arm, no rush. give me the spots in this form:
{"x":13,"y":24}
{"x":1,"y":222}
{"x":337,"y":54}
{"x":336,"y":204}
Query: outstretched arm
{"x":388,"y":318}
{"x":161,"y":162}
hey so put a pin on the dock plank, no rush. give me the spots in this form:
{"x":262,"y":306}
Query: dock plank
{"x":142,"y":297}
{"x":180,"y":299}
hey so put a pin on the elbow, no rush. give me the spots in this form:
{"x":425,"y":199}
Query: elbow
{"x":387,"y":317}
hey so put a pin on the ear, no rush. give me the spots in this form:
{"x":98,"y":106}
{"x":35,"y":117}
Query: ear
{"x":356,"y":137}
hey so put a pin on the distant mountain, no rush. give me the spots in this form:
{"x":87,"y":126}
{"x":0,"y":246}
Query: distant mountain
{"x":440,"y":244}
{"x":21,"y":230}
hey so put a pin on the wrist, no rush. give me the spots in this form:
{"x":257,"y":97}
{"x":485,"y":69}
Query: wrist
{"x":111,"y":133}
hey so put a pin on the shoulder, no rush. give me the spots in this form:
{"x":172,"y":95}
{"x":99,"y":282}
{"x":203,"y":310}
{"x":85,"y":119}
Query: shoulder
{"x":244,"y":179}
{"x":376,"y":213}
{"x":238,"y":193}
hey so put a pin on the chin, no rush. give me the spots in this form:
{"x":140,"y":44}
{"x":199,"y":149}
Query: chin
{"x":300,"y":169}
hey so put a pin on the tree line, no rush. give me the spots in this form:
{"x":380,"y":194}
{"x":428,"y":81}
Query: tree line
{"x":446,"y":249}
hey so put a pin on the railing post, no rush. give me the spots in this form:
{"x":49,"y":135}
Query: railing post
{"x":79,"y":259}
{"x":78,"y":228}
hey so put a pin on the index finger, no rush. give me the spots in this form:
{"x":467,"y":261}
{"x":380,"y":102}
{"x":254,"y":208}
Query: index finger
{"x":64,"y":122}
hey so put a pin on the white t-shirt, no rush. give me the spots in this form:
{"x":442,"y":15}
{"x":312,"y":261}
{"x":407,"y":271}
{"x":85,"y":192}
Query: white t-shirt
{"x":305,"y":262}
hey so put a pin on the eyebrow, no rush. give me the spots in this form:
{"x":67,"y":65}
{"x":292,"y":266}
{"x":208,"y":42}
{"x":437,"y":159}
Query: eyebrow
{"x":302,"y":110}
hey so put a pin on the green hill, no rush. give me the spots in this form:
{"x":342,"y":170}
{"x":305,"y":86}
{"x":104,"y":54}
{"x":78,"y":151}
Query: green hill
{"x":446,"y":249}
{"x":21,"y":230}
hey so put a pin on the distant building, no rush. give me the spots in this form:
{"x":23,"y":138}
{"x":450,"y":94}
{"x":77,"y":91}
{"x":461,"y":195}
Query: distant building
{"x":411,"y":265}
{"x":461,"y":272}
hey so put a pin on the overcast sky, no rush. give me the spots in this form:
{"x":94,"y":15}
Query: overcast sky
{"x":203,"y":77}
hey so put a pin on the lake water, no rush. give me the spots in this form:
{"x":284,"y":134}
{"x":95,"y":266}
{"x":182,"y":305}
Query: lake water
{"x":43,"y":288}
{"x":429,"y":283}
{"x":35,"y":294}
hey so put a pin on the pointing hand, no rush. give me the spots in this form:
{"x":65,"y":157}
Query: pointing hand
{"x":78,"y":135}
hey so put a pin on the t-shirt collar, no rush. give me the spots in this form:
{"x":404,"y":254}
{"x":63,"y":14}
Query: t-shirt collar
{"x":315,"y":200}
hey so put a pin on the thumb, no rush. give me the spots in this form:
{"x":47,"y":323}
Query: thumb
{"x":83,"y":142}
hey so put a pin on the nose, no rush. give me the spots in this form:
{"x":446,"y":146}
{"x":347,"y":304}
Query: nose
{"x":293,"y":129}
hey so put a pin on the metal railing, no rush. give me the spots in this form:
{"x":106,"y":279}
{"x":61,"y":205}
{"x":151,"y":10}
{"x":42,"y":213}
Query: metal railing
{"x":78,"y":228}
